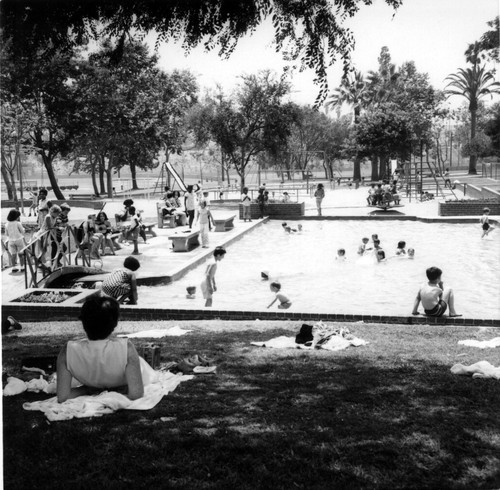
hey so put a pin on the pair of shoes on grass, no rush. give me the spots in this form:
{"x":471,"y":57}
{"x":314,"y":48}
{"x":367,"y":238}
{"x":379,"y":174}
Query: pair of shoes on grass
{"x":197,"y":365}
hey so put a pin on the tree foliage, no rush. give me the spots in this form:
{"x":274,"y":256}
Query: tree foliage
{"x":488,"y":46}
{"x":311,"y":33}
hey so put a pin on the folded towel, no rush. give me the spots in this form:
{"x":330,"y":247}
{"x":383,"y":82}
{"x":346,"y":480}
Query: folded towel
{"x":156,"y":334}
{"x":333,"y":343}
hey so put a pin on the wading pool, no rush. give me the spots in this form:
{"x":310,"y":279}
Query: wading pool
{"x":315,"y":282}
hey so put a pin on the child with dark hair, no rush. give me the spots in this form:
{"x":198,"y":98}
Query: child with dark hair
{"x":285,"y":302}
{"x":485,"y":222}
{"x":435,"y":299}
{"x":362,"y":247}
{"x":132,"y":232}
{"x":246,"y":202}
{"x":401,"y":248}
{"x":103,"y":226}
{"x":99,"y":362}
{"x":121,"y":284}
{"x":14,"y":231}
{"x":43,"y":208}
{"x":208,"y":286}
{"x":341,"y":255}
{"x":190,"y":204}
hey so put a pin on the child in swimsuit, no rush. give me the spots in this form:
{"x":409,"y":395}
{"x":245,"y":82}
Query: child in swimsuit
{"x":485,"y":222}
{"x":341,"y":255}
{"x":435,"y":299}
{"x":285,"y":302}
{"x":362,"y":248}
{"x":401,"y":248}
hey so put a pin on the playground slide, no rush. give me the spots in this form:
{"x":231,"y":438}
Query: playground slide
{"x":176,"y":176}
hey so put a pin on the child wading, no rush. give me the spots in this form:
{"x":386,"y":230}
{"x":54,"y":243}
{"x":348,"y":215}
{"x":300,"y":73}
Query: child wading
{"x":208,"y":286}
{"x":485,"y":222}
{"x":435,"y":299}
{"x":285,"y":302}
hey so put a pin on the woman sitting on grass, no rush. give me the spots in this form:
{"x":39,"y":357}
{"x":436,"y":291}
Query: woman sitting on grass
{"x":99,"y":362}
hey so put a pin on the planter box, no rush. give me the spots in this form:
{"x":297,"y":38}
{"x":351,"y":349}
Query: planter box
{"x":276,"y":210}
{"x":468,"y":208}
{"x":49,"y":297}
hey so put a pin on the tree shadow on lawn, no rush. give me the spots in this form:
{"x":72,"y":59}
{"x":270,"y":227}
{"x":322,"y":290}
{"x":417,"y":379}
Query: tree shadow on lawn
{"x":275,"y":419}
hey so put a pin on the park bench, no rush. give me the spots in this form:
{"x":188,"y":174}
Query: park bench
{"x":182,"y":242}
{"x":168,"y":220}
{"x":148,"y":228}
{"x":224,"y":224}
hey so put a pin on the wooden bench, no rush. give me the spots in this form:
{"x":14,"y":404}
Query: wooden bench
{"x":224,"y":224}
{"x":168,"y":220}
{"x":182,"y":242}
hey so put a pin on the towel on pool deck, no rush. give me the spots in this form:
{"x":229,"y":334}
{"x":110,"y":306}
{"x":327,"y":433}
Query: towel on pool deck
{"x":481,"y":369}
{"x":482,"y":344}
{"x":156,"y":334}
{"x":157,"y":384}
{"x":334,"y":343}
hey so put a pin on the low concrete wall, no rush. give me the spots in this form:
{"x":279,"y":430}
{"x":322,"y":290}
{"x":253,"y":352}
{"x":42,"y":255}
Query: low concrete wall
{"x":74,"y":203}
{"x":25,"y":312}
{"x":491,"y":193}
{"x":468,"y":208}
{"x":277,"y":210}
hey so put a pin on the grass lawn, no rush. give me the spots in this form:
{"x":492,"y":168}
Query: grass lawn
{"x":386,"y":415}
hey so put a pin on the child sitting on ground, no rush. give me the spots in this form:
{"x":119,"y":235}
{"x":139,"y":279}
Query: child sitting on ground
{"x":435,"y":299}
{"x":401,"y":248}
{"x":285,"y":302}
{"x":340,"y":254}
{"x":362,"y":247}
{"x":121,"y":284}
{"x":99,"y":362}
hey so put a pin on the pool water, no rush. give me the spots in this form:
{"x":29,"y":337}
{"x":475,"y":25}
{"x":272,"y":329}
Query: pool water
{"x":315,"y":282}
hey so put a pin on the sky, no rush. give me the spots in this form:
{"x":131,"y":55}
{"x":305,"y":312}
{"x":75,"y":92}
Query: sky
{"x":433,"y":33}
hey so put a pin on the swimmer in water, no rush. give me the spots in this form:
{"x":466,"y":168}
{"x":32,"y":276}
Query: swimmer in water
{"x":285,"y":302}
{"x":362,"y":248}
{"x":287,"y":228}
{"x":380,"y":256}
{"x":401,"y":248}
{"x":341,"y":255}
{"x":411,"y":253}
{"x":264,"y":275}
{"x":191,"y":292}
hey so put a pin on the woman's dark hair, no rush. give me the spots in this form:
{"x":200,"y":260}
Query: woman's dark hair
{"x":176,"y":194}
{"x":381,"y":253}
{"x":401,"y":244}
{"x":170,"y":195}
{"x":13,"y":215}
{"x":102,"y":213}
{"x":42,"y":191}
{"x":131,"y":210}
{"x":99,"y":316}
{"x":275,"y":285}
{"x":131,"y":263}
{"x":189,"y":188}
{"x":128,"y":202}
{"x":167,"y":188}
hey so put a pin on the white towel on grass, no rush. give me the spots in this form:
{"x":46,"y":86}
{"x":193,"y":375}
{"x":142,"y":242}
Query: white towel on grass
{"x":481,"y":369}
{"x":157,"y":333}
{"x":334,"y":343}
{"x":482,"y":344}
{"x":157,"y":384}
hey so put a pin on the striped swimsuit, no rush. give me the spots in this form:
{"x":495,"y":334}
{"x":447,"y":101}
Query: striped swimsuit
{"x":116,"y":284}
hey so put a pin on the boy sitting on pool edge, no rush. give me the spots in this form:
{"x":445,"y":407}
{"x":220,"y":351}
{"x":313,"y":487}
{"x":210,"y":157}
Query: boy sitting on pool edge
{"x":435,"y":299}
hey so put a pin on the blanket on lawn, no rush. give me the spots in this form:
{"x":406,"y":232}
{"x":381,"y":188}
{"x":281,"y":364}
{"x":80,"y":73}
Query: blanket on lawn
{"x":481,"y":369}
{"x":482,"y":344}
{"x":157,"y":333}
{"x":157,"y":384}
{"x":334,"y":343}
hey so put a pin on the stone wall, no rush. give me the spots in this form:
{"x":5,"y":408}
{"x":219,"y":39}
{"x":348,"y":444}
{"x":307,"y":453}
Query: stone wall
{"x":468,"y":208}
{"x":277,"y":210}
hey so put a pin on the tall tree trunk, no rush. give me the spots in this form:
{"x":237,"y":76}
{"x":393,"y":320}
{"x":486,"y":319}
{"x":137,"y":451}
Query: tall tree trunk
{"x":382,"y":167}
{"x":374,"y":161}
{"x":473,"y":155}
{"x":92,"y":172}
{"x":133,"y":173}
{"x":222,"y":165}
{"x":47,"y":162}
{"x":109,"y":175}
{"x":102,"y":169}
{"x":14,"y":185}
{"x":10,"y":188}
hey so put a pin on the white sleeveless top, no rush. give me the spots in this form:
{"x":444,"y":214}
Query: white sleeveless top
{"x":98,"y":363}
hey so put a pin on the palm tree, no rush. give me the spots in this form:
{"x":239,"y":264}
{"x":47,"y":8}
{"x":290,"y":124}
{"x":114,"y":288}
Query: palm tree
{"x":352,"y":91}
{"x":473,"y":84}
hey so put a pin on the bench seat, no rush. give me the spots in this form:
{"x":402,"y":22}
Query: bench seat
{"x":224,"y":224}
{"x":183,"y":242}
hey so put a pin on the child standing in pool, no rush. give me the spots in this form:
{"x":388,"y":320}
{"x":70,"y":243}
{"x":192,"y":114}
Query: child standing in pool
{"x":208,"y":286}
{"x":362,"y":248}
{"x":285,"y":302}
{"x":341,"y":255}
{"x":485,"y":222}
{"x":435,"y":299}
{"x":401,"y":248}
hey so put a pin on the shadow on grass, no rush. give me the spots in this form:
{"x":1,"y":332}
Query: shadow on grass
{"x":275,"y":419}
